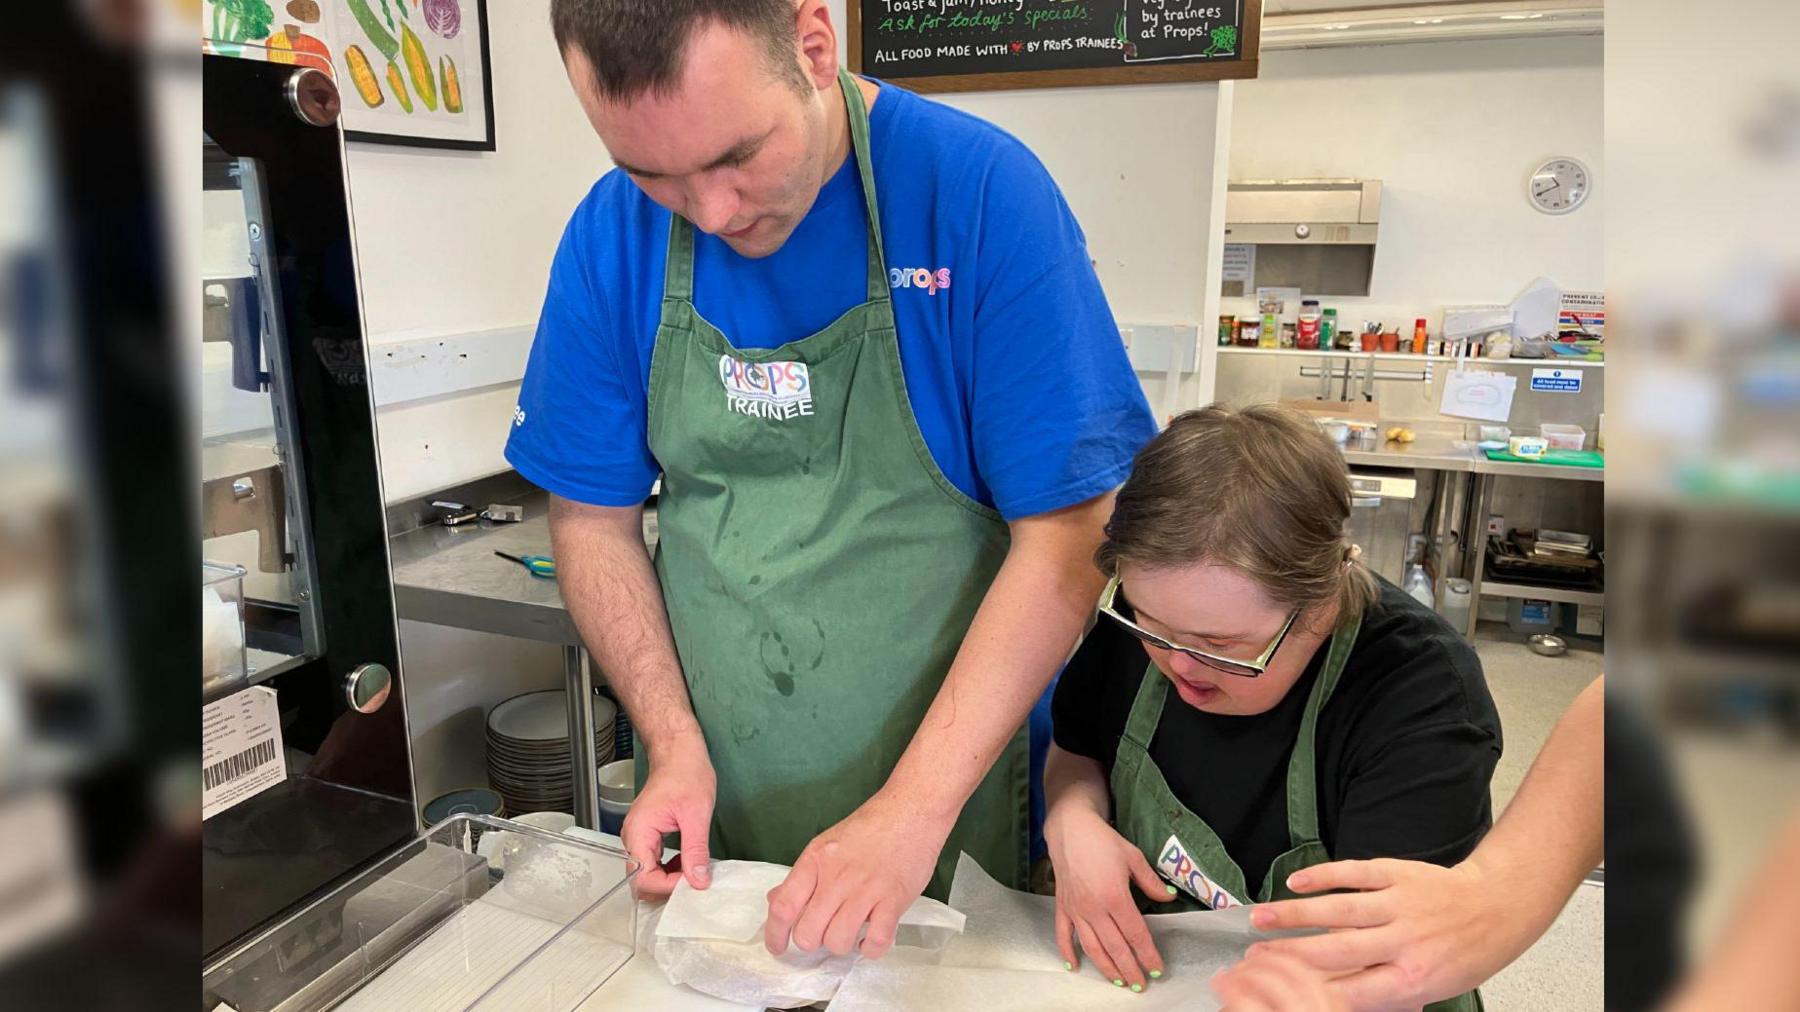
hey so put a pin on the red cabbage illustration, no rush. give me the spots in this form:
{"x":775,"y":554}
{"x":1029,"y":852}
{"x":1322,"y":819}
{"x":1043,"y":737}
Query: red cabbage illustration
{"x":444,"y":17}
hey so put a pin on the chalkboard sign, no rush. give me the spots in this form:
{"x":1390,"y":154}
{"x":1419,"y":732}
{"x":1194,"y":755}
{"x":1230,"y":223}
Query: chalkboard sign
{"x":969,"y":45}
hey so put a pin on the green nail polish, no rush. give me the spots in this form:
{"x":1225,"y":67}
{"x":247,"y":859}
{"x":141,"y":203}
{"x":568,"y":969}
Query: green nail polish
{"x":1172,"y":890}
{"x":1139,"y":988}
{"x":1068,"y":965}
{"x":1118,"y":983}
{"x":1155,"y":974}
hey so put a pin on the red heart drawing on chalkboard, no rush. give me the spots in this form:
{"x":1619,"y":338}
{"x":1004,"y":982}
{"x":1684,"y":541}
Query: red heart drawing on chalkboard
{"x":1018,"y":47}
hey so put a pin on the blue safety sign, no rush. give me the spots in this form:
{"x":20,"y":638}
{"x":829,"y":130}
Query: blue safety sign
{"x":1556,"y":381}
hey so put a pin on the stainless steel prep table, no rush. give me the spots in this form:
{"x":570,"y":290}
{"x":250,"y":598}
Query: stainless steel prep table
{"x":451,"y":576}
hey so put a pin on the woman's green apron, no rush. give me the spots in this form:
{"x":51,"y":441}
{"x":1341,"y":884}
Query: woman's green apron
{"x":1185,"y":850}
{"x":818,"y":568}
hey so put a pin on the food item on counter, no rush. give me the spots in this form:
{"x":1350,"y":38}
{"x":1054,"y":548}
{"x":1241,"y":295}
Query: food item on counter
{"x":1419,"y":336}
{"x":1528,"y":447}
{"x":1328,"y":326}
{"x":304,"y":11}
{"x":443,"y":17}
{"x":1401,"y":434}
{"x":379,"y":37}
{"x":1306,"y":335}
{"x":1289,"y":334}
{"x":1227,"y":322}
{"x":419,"y":66}
{"x":1249,"y":332}
{"x":398,"y":83}
{"x":363,"y":76}
{"x":452,"y":84}
{"x":1271,"y":332}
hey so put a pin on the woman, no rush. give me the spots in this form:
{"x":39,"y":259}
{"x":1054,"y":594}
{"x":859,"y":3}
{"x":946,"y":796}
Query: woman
{"x":1295,"y":708}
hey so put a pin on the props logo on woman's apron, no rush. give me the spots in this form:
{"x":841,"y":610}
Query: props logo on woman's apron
{"x":1179,"y":867}
{"x":772,"y":390}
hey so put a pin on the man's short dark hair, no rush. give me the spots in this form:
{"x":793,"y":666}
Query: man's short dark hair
{"x":637,"y":46}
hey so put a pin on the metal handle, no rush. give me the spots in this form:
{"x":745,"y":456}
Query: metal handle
{"x":1310,"y":371}
{"x":367,"y":688}
{"x":1360,"y":501}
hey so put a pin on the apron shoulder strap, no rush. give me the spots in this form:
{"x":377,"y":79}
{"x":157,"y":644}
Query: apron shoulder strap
{"x":858,"y":111}
{"x":1303,"y":769}
{"x":1147,"y":708}
{"x":678,"y":266}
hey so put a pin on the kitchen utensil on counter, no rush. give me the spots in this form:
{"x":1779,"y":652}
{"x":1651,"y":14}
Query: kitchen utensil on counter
{"x":1563,"y":437}
{"x":542,"y":566}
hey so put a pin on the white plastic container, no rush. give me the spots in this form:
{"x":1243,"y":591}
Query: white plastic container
{"x":1457,"y":602}
{"x":1563,"y":437}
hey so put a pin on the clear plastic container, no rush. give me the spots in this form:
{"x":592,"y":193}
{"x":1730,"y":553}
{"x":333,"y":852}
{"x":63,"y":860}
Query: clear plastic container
{"x":1563,"y":437}
{"x":480,"y":913}
{"x":222,"y":654}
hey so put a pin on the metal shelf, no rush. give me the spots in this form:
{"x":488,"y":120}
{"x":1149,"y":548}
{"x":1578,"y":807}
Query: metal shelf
{"x":1407,"y":356}
{"x":1561,"y":595}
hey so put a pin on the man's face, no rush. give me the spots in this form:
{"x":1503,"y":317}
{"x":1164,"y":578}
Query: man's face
{"x":735,"y":148}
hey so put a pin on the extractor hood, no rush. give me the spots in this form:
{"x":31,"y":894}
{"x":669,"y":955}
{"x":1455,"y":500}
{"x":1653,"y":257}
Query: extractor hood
{"x":1317,"y":235}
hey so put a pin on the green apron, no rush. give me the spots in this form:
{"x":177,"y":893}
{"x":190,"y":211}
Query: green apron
{"x":1184,"y":849}
{"x":819,"y":570}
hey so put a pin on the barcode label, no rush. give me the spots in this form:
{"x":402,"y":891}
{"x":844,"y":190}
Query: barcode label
{"x":238,"y":765}
{"x":240,"y":749}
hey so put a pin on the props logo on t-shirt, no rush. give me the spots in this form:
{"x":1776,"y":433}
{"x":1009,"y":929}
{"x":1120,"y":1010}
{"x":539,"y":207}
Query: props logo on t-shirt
{"x":1179,"y":867}
{"x":774,"y":390}
{"x":919,"y":277}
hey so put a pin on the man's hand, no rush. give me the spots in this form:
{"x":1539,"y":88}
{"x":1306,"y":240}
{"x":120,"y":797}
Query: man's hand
{"x":1095,"y":870}
{"x":677,"y":799}
{"x":1415,"y":932}
{"x":866,"y":869}
{"x":1268,"y":982}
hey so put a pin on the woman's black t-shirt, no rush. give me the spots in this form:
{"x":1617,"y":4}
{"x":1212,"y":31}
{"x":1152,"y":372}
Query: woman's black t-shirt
{"x":1404,"y":749}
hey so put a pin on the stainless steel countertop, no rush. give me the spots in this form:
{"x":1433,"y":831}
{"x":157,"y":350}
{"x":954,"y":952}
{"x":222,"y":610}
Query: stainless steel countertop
{"x":451,"y":576}
{"x":1439,"y":453}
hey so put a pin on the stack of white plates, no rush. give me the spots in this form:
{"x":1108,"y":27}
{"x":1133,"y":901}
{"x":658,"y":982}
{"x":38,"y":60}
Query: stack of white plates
{"x":528,"y":759}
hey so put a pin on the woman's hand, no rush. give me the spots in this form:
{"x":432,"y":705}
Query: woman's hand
{"x":1415,"y":933}
{"x":1095,"y":869}
{"x":1269,"y":982}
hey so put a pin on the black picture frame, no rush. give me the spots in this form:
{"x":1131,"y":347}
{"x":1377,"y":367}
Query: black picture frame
{"x":440,"y":143}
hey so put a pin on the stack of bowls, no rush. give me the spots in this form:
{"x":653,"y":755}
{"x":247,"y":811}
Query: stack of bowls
{"x":528,"y":759}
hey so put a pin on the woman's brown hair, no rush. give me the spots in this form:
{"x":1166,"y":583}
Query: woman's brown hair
{"x":1261,"y":490}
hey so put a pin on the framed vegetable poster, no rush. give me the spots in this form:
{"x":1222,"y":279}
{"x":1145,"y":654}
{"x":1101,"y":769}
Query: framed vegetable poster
{"x":415,"y":72}
{"x":412,"y":72}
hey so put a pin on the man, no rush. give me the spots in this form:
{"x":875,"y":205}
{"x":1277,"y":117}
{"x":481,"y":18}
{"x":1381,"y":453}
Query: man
{"x":889,"y":405}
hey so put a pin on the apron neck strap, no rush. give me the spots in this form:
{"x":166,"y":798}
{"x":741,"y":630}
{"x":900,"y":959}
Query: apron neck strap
{"x":1303,"y":770}
{"x":678,"y":268}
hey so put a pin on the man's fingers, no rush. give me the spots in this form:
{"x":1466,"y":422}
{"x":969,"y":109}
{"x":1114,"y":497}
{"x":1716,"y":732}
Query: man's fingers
{"x":696,"y":823}
{"x":643,"y":841}
{"x":828,"y":897}
{"x":1341,"y":910}
{"x":1137,"y":935}
{"x":1369,"y":874}
{"x":787,"y":902}
{"x":839,"y":936}
{"x":1383,"y":986}
{"x":1065,"y":940}
{"x":1337,"y":951}
{"x":884,"y":921}
{"x":1148,"y":881}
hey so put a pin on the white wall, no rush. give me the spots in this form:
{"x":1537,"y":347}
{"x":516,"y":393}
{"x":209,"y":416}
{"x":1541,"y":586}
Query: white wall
{"x":1453,"y":130}
{"x":451,"y":242}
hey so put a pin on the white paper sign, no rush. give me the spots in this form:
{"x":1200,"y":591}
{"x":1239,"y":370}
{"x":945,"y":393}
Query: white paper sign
{"x":1473,"y":393}
{"x":240,"y":749}
{"x":1240,"y":266}
{"x":1556,"y":381}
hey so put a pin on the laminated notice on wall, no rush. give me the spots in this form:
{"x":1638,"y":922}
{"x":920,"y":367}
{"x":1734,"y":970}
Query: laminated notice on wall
{"x":1475,"y":393}
{"x":240,"y":749}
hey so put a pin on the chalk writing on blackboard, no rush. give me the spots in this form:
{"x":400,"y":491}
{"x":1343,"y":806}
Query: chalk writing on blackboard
{"x":921,"y":38}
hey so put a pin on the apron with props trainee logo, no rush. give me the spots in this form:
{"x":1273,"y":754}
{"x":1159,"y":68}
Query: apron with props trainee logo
{"x":1185,"y":850}
{"x":818,"y":568}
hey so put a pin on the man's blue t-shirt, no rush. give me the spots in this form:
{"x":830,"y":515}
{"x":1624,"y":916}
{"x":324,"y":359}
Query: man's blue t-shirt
{"x":1013,"y":362}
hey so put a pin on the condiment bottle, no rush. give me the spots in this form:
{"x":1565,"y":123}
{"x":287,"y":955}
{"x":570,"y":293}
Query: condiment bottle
{"x":1418,"y":341}
{"x":1306,"y":335}
{"x":1328,"y":329}
{"x":1271,"y":331}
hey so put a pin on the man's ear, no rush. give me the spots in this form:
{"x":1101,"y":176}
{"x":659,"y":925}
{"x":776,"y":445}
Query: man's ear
{"x":818,"y":43}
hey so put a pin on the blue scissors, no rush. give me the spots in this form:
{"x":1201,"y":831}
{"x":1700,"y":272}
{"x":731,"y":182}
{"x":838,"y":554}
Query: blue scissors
{"x":541,"y":566}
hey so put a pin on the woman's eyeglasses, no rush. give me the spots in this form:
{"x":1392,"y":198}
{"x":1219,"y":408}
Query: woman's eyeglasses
{"x":1244,"y":669}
